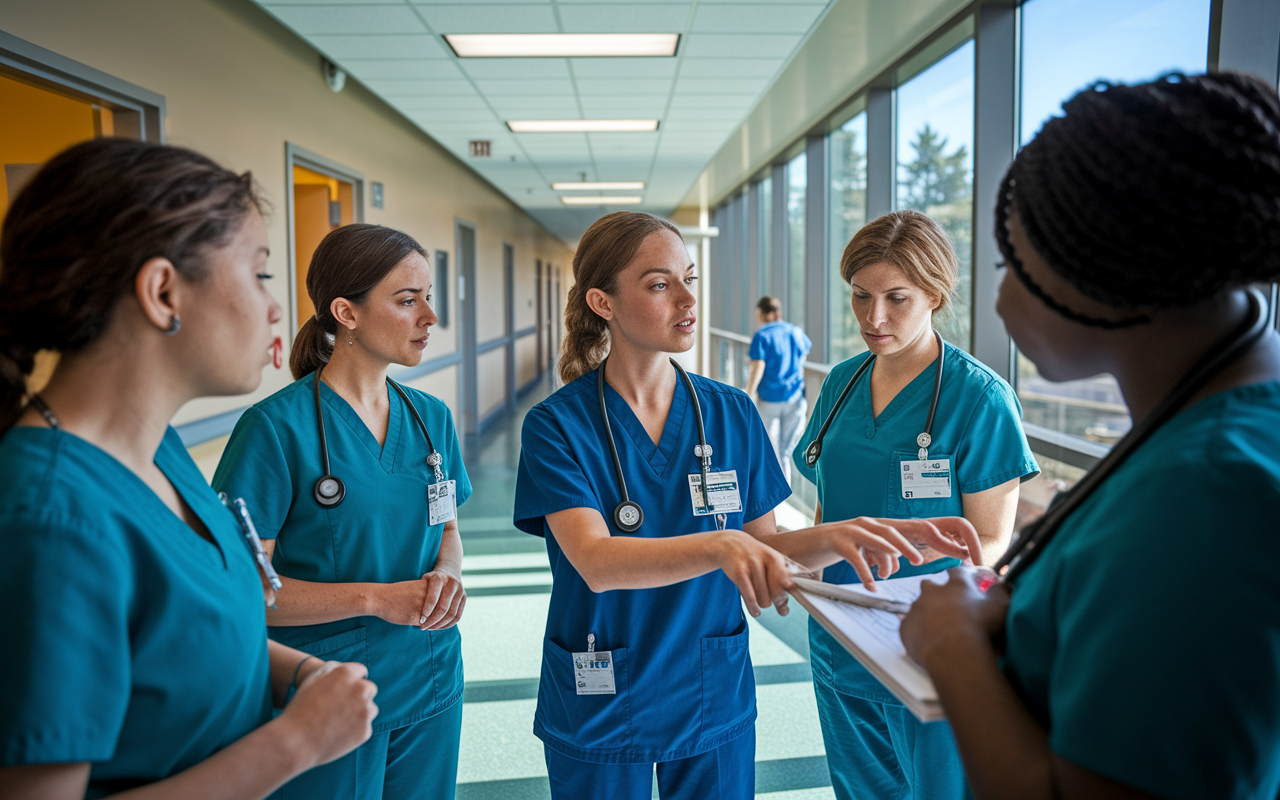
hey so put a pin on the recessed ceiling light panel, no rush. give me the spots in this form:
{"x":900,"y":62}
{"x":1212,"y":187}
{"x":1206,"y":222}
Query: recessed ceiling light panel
{"x":602,"y":186}
{"x":581,"y":125}
{"x":616,"y":200}
{"x":562,"y":45}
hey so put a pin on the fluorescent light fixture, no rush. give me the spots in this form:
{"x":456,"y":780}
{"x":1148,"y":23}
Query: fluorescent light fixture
{"x":580,"y":125}
{"x":615,"y":200}
{"x":562,"y":45}
{"x":601,"y":186}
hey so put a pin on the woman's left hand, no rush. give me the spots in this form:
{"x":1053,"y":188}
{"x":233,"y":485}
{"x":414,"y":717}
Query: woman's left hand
{"x":957,"y":608}
{"x":444,"y":601}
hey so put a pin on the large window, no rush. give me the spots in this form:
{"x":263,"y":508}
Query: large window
{"x":1066,"y":45}
{"x":848,"y":213}
{"x":796,"y":182}
{"x":764,"y":238}
{"x":935,"y":166}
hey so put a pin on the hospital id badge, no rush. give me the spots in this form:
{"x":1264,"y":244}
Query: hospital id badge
{"x":593,"y":672}
{"x":926,"y":480}
{"x":442,"y":502}
{"x":723,"y":488}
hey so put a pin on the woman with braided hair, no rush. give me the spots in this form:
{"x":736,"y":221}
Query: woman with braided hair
{"x":1105,"y":664}
{"x":136,"y":661}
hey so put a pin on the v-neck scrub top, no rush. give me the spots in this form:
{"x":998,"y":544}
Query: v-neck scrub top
{"x":683,"y":675}
{"x":977,"y":426}
{"x":378,"y":534}
{"x":1146,"y":661}
{"x":130,"y":641}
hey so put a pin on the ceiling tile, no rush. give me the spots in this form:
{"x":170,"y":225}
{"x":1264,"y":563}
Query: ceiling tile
{"x":692,"y":100}
{"x":459,"y":102}
{"x":525,"y":87}
{"x":619,"y":87}
{"x":385,"y":46}
{"x":397,"y":88}
{"x":620,"y":18}
{"x":403,"y":69}
{"x":486,"y":18}
{"x":756,"y":18}
{"x":623,"y":67}
{"x":515,"y":67}
{"x":730,"y":67}
{"x":752,"y":86}
{"x":631,"y":105}
{"x":524,"y":107}
{"x":350,"y":19}
{"x":721,"y":45}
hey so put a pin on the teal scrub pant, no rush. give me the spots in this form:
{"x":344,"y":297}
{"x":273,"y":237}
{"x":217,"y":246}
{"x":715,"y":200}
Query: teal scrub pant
{"x":418,"y":761}
{"x":726,"y":773}
{"x":880,"y":751}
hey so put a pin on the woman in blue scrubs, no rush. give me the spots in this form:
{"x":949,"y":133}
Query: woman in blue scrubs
{"x":1141,"y":635}
{"x":903,"y":270}
{"x":645,"y":659}
{"x":136,"y":660}
{"x":361,"y":519}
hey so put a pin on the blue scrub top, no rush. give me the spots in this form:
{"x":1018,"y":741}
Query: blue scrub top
{"x":782,"y":347}
{"x":978,"y":426}
{"x":1148,"y":660}
{"x":378,"y":534}
{"x":131,"y":642}
{"x":683,"y":675}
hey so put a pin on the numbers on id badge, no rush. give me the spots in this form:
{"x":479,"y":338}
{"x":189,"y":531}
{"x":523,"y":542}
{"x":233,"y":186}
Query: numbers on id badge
{"x":926,"y":480}
{"x":593,"y":670}
{"x":724,"y":493}
{"x":442,"y":503}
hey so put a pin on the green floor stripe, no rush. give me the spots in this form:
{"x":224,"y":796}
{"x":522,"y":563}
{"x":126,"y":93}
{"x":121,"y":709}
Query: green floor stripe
{"x":494,"y":591}
{"x":527,"y":688}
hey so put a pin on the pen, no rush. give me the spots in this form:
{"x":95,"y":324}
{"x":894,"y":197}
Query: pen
{"x":254,"y":541}
{"x":832,"y":592}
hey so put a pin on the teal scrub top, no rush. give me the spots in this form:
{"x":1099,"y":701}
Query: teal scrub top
{"x":1146,"y":637}
{"x":978,"y":427}
{"x":130,"y":641}
{"x":683,"y":677}
{"x":378,"y":534}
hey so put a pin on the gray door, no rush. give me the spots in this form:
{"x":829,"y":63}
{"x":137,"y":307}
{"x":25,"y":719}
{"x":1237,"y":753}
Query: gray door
{"x":468,"y":399}
{"x":509,"y":324}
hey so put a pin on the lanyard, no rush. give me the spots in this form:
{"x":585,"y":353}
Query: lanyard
{"x":923,"y":441}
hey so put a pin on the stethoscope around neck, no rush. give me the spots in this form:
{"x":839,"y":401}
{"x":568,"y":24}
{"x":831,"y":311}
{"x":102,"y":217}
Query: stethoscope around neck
{"x":329,"y":490}
{"x":628,"y":515}
{"x":923,"y":441}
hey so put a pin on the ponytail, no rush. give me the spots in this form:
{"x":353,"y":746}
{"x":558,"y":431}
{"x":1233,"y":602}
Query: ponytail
{"x":606,"y":249}
{"x":16,"y":363}
{"x":312,"y":347}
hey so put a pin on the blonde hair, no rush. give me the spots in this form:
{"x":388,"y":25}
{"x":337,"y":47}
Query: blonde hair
{"x":608,"y":246}
{"x":914,"y":243}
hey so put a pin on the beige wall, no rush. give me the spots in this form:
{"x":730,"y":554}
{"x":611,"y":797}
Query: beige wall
{"x":238,"y":86}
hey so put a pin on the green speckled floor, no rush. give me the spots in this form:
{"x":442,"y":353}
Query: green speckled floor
{"x":508,"y":586}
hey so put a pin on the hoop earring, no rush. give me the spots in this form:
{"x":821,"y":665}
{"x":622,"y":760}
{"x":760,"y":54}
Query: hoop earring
{"x":175,"y":325}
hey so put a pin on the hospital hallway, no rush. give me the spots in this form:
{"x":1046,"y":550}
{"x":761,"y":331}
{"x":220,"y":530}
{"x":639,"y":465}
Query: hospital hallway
{"x":508,"y":586}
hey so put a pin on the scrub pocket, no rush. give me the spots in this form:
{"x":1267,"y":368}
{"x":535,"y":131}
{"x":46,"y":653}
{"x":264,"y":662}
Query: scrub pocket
{"x":587,"y":722}
{"x":728,"y":683}
{"x":352,"y":645}
{"x":898,"y":507}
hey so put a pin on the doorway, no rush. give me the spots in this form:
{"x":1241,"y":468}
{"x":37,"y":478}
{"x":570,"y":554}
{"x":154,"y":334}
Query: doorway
{"x":509,"y":320}
{"x":468,"y":383}
{"x":322,"y":197}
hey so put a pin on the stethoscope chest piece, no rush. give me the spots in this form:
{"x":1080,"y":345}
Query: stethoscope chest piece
{"x":628,"y":516}
{"x":329,"y":490}
{"x":812,"y":452}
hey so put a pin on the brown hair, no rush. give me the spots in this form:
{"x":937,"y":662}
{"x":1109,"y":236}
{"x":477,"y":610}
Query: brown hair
{"x":769,"y":305}
{"x":79,"y":231}
{"x":608,"y":246}
{"x":914,"y":243}
{"x":349,"y":262}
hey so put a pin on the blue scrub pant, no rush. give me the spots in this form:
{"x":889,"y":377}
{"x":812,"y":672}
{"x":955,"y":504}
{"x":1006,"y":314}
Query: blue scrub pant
{"x":419,"y":761}
{"x":880,"y":751}
{"x":726,"y":773}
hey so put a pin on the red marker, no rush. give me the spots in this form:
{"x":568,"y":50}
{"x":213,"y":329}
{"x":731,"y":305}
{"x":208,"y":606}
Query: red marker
{"x":277,"y":348}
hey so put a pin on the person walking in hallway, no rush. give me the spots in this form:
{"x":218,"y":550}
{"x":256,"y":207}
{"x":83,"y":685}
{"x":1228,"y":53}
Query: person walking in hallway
{"x":776,"y":378}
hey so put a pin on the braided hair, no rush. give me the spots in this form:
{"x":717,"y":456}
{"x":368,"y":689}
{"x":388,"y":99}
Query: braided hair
{"x":1151,"y":196}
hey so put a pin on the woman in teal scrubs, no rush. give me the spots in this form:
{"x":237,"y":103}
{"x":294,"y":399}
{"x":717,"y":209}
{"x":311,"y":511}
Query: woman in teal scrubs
{"x":873,"y":461}
{"x":645,"y":660}
{"x":1141,"y":635}
{"x":361,"y":522}
{"x":136,"y":659}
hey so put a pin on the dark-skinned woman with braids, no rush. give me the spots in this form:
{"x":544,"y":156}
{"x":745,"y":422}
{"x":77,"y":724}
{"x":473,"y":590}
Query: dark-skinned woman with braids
{"x":135,"y":655}
{"x":1132,"y":649}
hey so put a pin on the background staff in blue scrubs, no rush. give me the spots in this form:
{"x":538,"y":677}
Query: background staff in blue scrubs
{"x":903,"y":270}
{"x":136,"y":662}
{"x":665,"y":602}
{"x":374,"y":578}
{"x":1143,"y":643}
